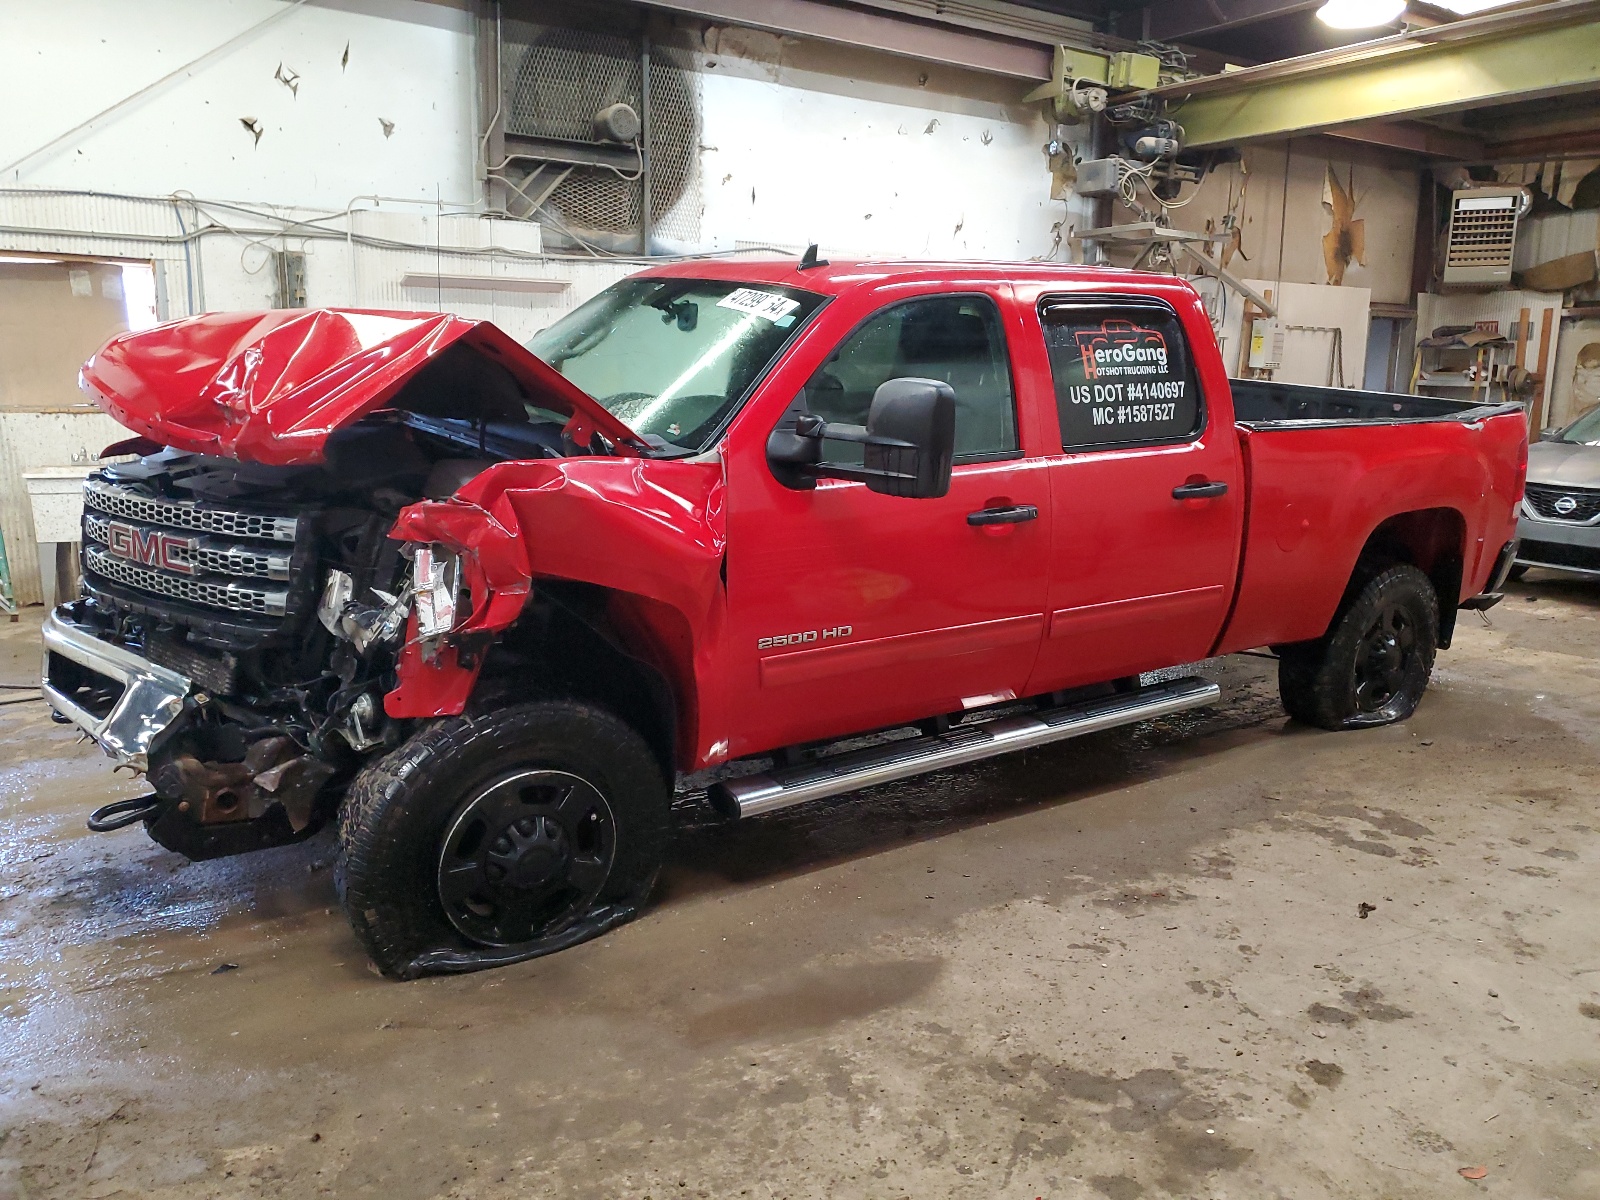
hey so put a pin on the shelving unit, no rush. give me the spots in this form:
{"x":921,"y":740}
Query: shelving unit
{"x":1475,"y":372}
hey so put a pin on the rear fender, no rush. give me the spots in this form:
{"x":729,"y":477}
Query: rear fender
{"x":1434,"y":540}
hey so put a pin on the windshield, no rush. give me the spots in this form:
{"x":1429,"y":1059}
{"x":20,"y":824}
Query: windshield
{"x":1585,"y":430}
{"x":674,"y":357}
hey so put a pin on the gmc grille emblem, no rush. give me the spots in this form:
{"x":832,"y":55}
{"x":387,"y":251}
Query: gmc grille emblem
{"x":152,"y":547}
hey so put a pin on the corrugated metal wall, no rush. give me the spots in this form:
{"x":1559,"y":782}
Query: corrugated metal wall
{"x":29,"y":441}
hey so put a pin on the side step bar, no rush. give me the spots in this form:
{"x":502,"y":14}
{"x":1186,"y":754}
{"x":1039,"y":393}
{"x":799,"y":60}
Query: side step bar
{"x":753,"y":795}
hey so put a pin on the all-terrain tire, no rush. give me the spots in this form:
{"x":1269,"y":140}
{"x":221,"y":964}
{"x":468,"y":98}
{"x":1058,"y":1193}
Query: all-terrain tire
{"x":396,"y":819}
{"x":1375,"y":662}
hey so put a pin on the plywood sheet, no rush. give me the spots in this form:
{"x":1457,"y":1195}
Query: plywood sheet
{"x":53,"y":315}
{"x":1308,"y":350}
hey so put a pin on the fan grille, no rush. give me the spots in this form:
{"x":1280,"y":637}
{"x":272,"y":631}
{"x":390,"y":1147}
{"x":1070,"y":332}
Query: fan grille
{"x":557,"y":78}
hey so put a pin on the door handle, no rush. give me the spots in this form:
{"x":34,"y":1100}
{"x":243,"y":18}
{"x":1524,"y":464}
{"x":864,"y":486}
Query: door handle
{"x":1199,"y":491}
{"x":1014,"y":514}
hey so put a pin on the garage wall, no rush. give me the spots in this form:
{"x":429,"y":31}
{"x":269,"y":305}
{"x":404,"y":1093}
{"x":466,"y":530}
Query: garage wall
{"x":869,"y":154}
{"x":322,"y":141}
{"x":864,"y":151}
{"x":1277,"y":193}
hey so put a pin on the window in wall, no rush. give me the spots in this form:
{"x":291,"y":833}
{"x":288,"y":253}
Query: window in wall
{"x":1122,"y":375}
{"x":954,"y":339}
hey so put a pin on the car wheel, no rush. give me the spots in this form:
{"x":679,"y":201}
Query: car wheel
{"x":1374,"y":664}
{"x":495,"y":838}
{"x":1517,"y":572}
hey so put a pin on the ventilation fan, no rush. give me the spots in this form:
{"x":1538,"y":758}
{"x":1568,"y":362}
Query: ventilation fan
{"x":574,"y":117}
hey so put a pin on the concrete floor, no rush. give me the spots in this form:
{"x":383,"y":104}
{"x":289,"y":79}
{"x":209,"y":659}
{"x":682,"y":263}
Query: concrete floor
{"x":1131,"y":966}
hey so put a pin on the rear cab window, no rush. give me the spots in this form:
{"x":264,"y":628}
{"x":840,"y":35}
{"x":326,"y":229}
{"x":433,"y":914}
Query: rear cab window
{"x":1122,"y":373}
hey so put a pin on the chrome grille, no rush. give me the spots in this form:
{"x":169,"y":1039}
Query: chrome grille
{"x":213,"y":593}
{"x":198,"y":554}
{"x":1552,"y":503}
{"x":185,"y":514}
{"x":207,"y":556}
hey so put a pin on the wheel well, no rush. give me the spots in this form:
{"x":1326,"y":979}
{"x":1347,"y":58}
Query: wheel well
{"x":1430,"y":539}
{"x":565,"y":644}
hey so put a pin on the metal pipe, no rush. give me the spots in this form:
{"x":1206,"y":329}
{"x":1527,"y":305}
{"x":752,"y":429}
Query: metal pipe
{"x":644,"y":145}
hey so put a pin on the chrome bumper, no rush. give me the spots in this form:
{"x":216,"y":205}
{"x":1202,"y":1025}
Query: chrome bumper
{"x":152,"y":696}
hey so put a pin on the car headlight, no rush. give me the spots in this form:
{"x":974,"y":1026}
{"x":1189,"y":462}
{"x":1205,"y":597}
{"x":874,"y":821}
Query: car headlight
{"x":436,"y":590}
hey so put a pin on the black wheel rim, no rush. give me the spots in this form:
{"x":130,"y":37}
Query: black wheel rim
{"x":1385,"y":661}
{"x":524,"y":856}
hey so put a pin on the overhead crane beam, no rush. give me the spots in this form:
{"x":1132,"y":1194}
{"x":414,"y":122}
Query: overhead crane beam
{"x":1498,"y":59}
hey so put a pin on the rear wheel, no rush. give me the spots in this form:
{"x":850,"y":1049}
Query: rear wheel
{"x":1375,"y":663}
{"x":491,"y":839}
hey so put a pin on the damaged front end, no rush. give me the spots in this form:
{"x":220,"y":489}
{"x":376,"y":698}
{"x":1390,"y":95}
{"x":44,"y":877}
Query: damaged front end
{"x":220,"y":785}
{"x":205,"y":656}
{"x":247,"y":720}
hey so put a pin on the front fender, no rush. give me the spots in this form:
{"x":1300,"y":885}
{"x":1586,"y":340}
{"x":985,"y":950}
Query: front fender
{"x":651,"y":530}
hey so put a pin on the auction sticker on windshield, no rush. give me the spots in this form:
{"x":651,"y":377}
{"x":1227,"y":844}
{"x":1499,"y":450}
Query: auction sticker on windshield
{"x":770,"y":306}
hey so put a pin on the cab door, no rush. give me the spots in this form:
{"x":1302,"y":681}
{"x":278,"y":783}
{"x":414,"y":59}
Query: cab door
{"x":1147,"y":490}
{"x":850,"y":610}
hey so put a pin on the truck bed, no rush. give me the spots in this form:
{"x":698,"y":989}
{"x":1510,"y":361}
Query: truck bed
{"x":1324,"y":466}
{"x":1261,"y":404}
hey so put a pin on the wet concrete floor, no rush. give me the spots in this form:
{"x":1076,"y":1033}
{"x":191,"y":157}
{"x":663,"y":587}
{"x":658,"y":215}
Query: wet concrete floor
{"x":1129,"y":966}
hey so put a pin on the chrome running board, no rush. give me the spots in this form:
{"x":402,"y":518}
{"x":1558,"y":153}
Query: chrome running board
{"x":752,"y":795}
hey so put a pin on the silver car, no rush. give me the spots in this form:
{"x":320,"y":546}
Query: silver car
{"x":1560,"y":519}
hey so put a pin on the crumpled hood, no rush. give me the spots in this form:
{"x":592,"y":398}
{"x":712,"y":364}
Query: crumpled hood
{"x":1564,"y":464}
{"x":269,"y":387}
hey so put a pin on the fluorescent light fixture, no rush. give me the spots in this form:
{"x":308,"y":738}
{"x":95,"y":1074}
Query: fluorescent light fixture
{"x":1361,"y":14}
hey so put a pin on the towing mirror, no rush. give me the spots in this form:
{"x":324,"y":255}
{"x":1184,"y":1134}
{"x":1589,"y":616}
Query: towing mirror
{"x":911,"y":438}
{"x":908,"y":442}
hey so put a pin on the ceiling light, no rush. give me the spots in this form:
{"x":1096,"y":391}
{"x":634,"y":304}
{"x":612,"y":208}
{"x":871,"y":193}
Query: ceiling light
{"x":1360,"y":14}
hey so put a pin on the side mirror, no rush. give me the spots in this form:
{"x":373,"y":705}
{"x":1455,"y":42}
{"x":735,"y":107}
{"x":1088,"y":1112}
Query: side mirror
{"x":908,"y":442}
{"x":911,"y":438}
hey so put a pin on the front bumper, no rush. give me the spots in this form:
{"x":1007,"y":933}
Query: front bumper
{"x":1569,"y":546}
{"x":124,"y":723}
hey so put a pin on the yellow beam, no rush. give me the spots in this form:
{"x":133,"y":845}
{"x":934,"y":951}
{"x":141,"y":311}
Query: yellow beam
{"x":1507,"y":63}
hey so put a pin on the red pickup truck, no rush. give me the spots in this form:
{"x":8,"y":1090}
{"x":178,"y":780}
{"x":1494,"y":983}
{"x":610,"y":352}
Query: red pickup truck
{"x":484,"y":604}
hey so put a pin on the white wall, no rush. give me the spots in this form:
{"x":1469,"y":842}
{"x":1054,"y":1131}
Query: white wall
{"x":869,"y":154}
{"x":411,"y":62}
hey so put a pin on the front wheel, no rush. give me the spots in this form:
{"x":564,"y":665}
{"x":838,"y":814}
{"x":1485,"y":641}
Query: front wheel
{"x":491,"y":839}
{"x":1374,"y":665}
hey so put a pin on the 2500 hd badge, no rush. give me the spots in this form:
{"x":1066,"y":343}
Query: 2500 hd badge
{"x":802,"y":639}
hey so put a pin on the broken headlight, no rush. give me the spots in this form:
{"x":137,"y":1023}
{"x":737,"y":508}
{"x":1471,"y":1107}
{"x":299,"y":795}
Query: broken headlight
{"x":436,"y":590}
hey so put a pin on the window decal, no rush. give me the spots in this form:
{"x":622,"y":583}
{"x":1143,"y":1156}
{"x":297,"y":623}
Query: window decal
{"x":1120,"y":378}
